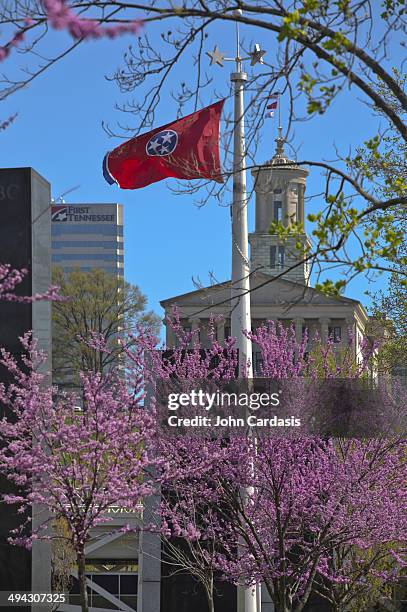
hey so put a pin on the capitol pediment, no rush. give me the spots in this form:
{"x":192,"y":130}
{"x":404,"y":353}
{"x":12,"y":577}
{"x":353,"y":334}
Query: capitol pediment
{"x":266,"y":290}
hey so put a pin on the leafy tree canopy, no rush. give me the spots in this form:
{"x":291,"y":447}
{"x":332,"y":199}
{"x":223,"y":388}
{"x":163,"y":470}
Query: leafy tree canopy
{"x":99,"y":309}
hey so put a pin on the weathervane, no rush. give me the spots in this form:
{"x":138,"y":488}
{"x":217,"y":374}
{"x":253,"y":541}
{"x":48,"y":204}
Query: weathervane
{"x":255,"y":56}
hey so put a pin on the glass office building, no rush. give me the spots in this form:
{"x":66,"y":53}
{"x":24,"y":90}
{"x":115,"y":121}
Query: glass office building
{"x":88,"y":236}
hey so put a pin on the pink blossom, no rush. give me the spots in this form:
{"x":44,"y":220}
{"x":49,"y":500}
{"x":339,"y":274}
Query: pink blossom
{"x":77,"y":463}
{"x":13,"y":42}
{"x":61,"y":17}
{"x":11,"y":278}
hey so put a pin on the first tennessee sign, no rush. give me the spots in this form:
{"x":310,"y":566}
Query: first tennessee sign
{"x":60,"y":214}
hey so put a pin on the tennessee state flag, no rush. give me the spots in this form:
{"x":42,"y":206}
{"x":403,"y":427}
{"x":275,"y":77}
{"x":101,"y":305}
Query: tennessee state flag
{"x":185,"y":149}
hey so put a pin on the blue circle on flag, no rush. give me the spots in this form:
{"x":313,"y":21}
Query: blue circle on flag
{"x":162,"y":144}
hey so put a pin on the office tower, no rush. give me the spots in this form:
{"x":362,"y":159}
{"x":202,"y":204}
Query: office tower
{"x":88,"y":236}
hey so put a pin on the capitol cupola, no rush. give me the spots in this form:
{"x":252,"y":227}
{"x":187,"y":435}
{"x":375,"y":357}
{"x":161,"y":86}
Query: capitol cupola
{"x":279,"y":185}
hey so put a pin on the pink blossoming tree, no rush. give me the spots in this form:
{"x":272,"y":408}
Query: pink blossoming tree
{"x":314,"y":505}
{"x":298,"y":514}
{"x":74,"y":462}
{"x":323,"y":516}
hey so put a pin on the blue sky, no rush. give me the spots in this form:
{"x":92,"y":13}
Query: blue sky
{"x":168,"y":239}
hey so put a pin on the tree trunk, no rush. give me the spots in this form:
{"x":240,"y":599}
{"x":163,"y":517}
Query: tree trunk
{"x":82,"y":581}
{"x":209,"y":594}
{"x":282,"y":605}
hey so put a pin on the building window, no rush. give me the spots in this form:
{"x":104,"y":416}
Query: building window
{"x":257,"y":363}
{"x":101,"y":229}
{"x":278,"y":211}
{"x":227,"y":331}
{"x":335,"y":334}
{"x":277,"y":257}
{"x":273,"y":250}
{"x":105,"y":244}
{"x":281,"y":256}
{"x":86,"y":257}
{"x":118,"y":577}
{"x":277,"y":206}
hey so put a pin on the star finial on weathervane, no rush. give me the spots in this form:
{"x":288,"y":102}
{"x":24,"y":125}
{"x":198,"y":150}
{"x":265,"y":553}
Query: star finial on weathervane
{"x":216,"y":56}
{"x":256,"y":56}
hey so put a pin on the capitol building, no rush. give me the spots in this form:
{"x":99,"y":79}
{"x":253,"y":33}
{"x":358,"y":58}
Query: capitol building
{"x":279,"y":278}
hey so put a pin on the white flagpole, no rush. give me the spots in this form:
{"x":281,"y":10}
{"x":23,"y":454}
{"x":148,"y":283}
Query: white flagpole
{"x":240,"y":303}
{"x":240,"y":286}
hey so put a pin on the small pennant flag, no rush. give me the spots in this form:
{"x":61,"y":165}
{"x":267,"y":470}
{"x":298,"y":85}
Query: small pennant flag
{"x":185,"y":149}
{"x":273,"y":105}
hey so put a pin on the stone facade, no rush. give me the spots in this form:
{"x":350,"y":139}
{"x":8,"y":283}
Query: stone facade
{"x":279,"y":300}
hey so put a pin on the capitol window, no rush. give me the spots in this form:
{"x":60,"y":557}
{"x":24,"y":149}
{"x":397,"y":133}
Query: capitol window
{"x":335,"y":333}
{"x":277,"y":256}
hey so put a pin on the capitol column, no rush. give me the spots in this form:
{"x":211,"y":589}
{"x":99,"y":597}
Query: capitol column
{"x":299,"y":324}
{"x":324,"y":323}
{"x":170,"y":339}
{"x":350,"y":334}
{"x":300,"y":203}
{"x":220,"y":331}
{"x":195,"y":328}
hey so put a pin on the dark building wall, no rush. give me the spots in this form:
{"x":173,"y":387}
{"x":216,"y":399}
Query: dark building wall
{"x":182,"y":593}
{"x":23,"y":196}
{"x":15,"y":249}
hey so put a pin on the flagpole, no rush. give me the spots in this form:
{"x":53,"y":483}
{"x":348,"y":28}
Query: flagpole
{"x":240,"y":282}
{"x":240,"y":296}
{"x":240,"y":286}
{"x":279,"y":109}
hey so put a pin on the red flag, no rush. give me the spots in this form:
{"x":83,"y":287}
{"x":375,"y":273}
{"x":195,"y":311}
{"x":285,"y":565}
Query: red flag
{"x":272,"y":107}
{"x":186,"y":149}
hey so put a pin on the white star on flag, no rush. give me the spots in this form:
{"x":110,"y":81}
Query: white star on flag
{"x":154,"y":145}
{"x":167,"y":137}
